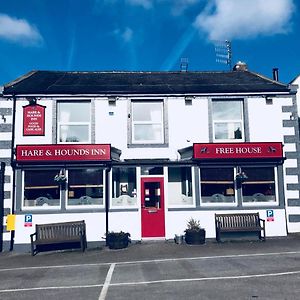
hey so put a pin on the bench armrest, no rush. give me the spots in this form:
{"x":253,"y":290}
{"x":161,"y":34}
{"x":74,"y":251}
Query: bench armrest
{"x":32,"y":242}
{"x":32,"y":235}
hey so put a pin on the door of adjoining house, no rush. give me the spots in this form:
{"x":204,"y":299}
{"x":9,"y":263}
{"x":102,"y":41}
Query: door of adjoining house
{"x":153,"y":207}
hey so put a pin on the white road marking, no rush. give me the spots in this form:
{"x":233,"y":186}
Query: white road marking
{"x":105,"y":287}
{"x":107,"y":282}
{"x":149,"y":261}
{"x":207,"y":278}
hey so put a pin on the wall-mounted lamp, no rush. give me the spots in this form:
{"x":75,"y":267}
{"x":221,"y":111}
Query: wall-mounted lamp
{"x":31,"y":100}
{"x":188,"y":100}
{"x":3,"y":118}
{"x":112,"y":100}
{"x":269,"y":100}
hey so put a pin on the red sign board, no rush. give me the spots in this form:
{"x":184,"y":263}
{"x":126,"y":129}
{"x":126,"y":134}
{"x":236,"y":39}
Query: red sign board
{"x":33,"y":120}
{"x":237,"y":151}
{"x":73,"y":153}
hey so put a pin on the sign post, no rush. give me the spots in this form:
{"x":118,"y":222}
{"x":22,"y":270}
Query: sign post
{"x":2,"y":170}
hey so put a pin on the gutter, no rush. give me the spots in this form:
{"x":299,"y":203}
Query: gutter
{"x":13,"y":166}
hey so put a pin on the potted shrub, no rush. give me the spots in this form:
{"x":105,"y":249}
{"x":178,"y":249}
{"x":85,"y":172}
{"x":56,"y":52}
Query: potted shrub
{"x":194,"y":234}
{"x":117,"y":240}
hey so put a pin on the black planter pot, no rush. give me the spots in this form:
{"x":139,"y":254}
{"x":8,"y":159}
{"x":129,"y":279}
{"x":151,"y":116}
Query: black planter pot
{"x":117,"y":241}
{"x":193,"y":237}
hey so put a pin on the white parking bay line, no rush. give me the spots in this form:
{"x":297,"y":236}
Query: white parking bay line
{"x":104,"y":290}
{"x":206,"y":278}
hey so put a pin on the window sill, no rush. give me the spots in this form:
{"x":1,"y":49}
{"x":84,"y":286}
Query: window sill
{"x":166,"y":145}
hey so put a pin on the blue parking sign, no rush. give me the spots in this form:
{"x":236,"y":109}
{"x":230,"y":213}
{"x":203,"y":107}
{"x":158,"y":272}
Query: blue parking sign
{"x":28,"y":218}
{"x":270,"y":215}
{"x":28,"y":221}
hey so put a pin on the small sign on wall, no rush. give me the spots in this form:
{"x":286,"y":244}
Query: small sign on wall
{"x":10,"y":222}
{"x":28,"y":221}
{"x":33,"y":120}
{"x":270,"y":215}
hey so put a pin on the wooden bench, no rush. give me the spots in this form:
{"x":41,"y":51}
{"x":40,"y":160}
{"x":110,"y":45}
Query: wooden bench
{"x":58,"y":236}
{"x":243,"y":222}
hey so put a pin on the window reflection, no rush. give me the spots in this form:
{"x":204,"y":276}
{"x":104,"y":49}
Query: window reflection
{"x":73,"y":122}
{"x":180,"y":186}
{"x":85,"y":187}
{"x":228,"y":120}
{"x":40,"y":188}
{"x":217,"y":185}
{"x":123,"y":187}
{"x":259,"y":186}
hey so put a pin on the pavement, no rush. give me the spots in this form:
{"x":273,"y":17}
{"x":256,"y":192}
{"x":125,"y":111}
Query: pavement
{"x":239,"y":269}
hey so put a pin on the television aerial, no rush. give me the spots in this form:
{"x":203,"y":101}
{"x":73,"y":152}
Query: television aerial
{"x":223,"y":52}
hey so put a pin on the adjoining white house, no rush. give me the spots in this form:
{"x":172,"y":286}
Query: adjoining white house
{"x":143,"y":152}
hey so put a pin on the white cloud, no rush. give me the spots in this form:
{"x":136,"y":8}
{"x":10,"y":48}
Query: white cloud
{"x":18,"y":31}
{"x":144,"y":3}
{"x":125,"y":35}
{"x":241,"y":19}
{"x":179,"y":6}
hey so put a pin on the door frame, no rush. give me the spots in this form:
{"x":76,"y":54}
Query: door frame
{"x":161,"y":180}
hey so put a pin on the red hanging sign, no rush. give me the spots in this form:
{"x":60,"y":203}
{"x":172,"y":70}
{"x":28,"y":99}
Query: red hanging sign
{"x":33,"y":120}
{"x":237,"y":150}
{"x":60,"y":152}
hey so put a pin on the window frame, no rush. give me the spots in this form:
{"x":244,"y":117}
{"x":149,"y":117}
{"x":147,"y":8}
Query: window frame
{"x":163,"y":123}
{"x":229,"y":121}
{"x":86,"y":206}
{"x":263,"y":203}
{"x":238,"y":192}
{"x":193,"y":205}
{"x":219,"y":204}
{"x":41,"y":207}
{"x":81,"y":123}
{"x":137,"y":197}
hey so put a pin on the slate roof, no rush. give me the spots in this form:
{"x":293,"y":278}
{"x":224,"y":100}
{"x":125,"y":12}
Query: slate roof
{"x":116,"y":83}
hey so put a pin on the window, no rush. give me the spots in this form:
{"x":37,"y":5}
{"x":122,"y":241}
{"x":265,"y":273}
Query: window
{"x":259,"y":186}
{"x":147,"y":122}
{"x":40,"y":189}
{"x":123,"y":187}
{"x":180,"y":186}
{"x":73,"y":122}
{"x":85,"y":187}
{"x":217,"y":186}
{"x":228,"y":120}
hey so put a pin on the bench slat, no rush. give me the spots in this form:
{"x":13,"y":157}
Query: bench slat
{"x":59,"y":233}
{"x":243,"y":222}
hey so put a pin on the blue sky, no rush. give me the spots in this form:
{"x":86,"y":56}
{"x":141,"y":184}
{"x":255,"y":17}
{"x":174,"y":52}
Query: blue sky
{"x":147,"y":35}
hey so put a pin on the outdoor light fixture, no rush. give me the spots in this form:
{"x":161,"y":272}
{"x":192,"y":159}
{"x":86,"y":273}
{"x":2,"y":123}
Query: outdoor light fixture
{"x":188,"y":100}
{"x":31,"y":100}
{"x":269,"y":100}
{"x":112,"y":100}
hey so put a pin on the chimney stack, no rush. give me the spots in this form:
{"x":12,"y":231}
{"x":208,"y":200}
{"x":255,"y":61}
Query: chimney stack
{"x":275,"y":74}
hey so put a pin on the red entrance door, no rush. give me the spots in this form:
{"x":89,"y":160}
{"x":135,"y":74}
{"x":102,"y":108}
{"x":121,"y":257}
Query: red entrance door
{"x":153,"y":207}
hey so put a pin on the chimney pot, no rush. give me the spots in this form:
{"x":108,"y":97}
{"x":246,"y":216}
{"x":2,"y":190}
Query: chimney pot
{"x":240,"y":66}
{"x":275,"y":74}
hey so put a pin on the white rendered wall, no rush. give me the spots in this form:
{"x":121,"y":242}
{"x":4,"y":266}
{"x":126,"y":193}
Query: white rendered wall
{"x":47,"y":138}
{"x":176,"y":222}
{"x":265,"y":120}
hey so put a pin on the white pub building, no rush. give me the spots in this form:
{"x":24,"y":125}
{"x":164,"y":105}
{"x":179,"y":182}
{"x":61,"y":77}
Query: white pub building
{"x":143,"y":152}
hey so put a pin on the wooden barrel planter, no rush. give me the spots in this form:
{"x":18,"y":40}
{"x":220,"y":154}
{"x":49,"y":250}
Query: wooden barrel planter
{"x":193,"y":237}
{"x":117,"y":240}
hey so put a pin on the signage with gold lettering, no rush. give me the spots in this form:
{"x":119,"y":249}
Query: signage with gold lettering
{"x":60,"y":152}
{"x":237,"y":150}
{"x":33,"y":120}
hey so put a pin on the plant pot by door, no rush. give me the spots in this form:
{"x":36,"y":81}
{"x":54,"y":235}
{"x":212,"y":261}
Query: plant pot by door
{"x":193,"y":237}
